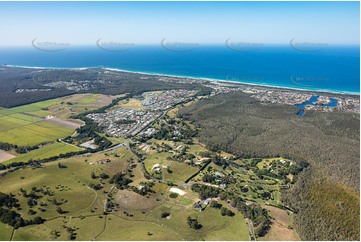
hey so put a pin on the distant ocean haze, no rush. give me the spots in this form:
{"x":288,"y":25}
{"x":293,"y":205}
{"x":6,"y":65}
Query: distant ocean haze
{"x":330,"y":68}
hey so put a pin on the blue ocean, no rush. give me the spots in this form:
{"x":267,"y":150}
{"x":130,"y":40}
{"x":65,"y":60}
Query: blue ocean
{"x":333,"y":69}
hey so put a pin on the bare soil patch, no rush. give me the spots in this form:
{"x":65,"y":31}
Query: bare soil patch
{"x":280,"y":230}
{"x":4,"y":156}
{"x":69,"y":123}
{"x":131,"y":200}
{"x":104,"y":101}
{"x":177,"y":190}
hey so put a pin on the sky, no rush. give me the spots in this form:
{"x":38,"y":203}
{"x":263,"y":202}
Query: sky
{"x":83,"y":23}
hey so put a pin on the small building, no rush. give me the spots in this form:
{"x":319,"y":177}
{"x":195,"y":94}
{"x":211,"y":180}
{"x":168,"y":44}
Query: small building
{"x":206,"y":201}
{"x":156,"y":168}
{"x":219,"y":174}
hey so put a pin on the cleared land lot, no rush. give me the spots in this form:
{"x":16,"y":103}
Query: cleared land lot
{"x":131,"y":103}
{"x":280,"y":228}
{"x":71,"y":124}
{"x":4,"y":156}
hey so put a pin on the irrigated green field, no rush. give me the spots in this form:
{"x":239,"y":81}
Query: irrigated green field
{"x":34,"y":133}
{"x":8,"y":123}
{"x":26,"y":125}
{"x":47,"y":151}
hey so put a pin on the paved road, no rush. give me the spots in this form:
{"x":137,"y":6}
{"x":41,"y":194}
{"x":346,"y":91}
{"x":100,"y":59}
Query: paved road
{"x":102,"y":151}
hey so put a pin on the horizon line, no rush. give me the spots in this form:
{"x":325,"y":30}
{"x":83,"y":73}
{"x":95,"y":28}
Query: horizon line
{"x":196,"y":44}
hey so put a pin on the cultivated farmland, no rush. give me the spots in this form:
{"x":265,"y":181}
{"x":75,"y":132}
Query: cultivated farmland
{"x":46,"y":121}
{"x":47,"y":151}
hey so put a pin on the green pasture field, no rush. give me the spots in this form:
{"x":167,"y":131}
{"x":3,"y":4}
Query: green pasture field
{"x":77,"y":103}
{"x":70,"y":183}
{"x":34,"y":133}
{"x":214,"y":225}
{"x":20,"y":109}
{"x":71,"y":179}
{"x":25,"y":117}
{"x":120,"y":229}
{"x":47,"y":151}
{"x":86,"y":229}
{"x":180,"y":171}
{"x":84,"y":206}
{"x":8,"y":123}
{"x":6,"y":231}
{"x":23,"y":125}
{"x":39,"y":113}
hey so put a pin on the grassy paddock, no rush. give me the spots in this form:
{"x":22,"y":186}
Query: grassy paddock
{"x":121,"y":229}
{"x":24,"y":125}
{"x":34,"y":133}
{"x":5,"y":232}
{"x":47,"y":151}
{"x":131,"y":103}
